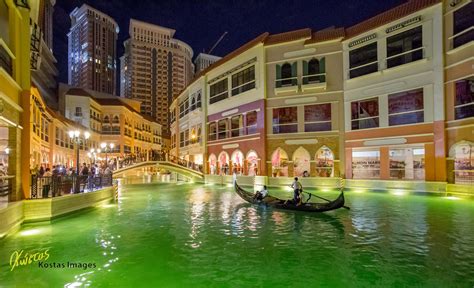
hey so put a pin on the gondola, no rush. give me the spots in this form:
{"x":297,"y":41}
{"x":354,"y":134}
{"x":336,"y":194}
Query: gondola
{"x":289,"y":205}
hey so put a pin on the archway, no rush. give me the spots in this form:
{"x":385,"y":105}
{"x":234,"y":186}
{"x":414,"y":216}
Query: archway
{"x":279,"y":163}
{"x":237,"y":162}
{"x":224,"y":163}
{"x":252,"y":163}
{"x":212,"y":164}
{"x":463,"y":155}
{"x":324,"y":162}
{"x":301,"y":164}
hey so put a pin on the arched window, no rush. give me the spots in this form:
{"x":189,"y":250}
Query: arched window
{"x":193,"y":104}
{"x":279,"y":163}
{"x":301,"y":164}
{"x":324,"y":162}
{"x":106,"y":119}
{"x":224,"y":163}
{"x":286,"y":74}
{"x":252,"y":163}
{"x":199,"y":100}
{"x":212,"y":164}
{"x":313,"y":69}
{"x":237,"y":161}
{"x":116,"y":119}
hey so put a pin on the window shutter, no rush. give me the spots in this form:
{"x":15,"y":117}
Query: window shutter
{"x":293,"y":69}
{"x":305,"y":72}
{"x":322,"y":69}
{"x":278,"y":76}
{"x":322,"y":65}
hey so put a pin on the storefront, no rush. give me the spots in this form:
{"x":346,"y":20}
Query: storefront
{"x":404,"y":163}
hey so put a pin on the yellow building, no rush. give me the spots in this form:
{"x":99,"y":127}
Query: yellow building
{"x":14,"y":92}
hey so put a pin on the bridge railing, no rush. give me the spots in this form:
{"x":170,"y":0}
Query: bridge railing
{"x":186,"y":164}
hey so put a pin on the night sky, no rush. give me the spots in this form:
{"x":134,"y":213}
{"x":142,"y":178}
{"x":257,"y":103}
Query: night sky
{"x":201,"y":23}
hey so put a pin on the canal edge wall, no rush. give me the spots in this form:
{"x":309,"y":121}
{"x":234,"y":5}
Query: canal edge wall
{"x":27,"y":211}
{"x":418,"y":187}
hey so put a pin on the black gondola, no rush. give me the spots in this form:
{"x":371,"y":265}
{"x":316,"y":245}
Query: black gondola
{"x":288,"y":204}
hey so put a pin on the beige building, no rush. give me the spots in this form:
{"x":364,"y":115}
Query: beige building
{"x":304,"y":107}
{"x":112,"y":119}
{"x":204,"y":60}
{"x":188,"y":123}
{"x":92,"y":50}
{"x":154,"y":69}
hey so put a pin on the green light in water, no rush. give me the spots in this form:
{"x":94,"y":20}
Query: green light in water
{"x":30,"y":232}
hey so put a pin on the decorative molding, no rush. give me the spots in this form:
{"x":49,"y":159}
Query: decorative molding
{"x":362,"y":40}
{"x":251,"y":61}
{"x":385,"y":142}
{"x":301,"y":100}
{"x":299,"y":53}
{"x":301,"y":141}
{"x":230,"y":112}
{"x":230,"y":146}
{"x":403,"y":24}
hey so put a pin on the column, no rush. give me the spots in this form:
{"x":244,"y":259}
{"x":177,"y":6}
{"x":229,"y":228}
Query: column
{"x":384,"y":163}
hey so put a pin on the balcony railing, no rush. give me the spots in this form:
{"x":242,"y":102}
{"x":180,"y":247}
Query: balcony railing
{"x":54,"y":186}
{"x":462,"y":37}
{"x":6,"y":61}
{"x":286,"y":82}
{"x":314,"y":78}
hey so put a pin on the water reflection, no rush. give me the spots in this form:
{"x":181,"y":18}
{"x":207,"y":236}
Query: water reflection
{"x":197,"y":235}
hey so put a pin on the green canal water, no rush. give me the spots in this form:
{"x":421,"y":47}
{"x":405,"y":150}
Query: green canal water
{"x":190,"y":235}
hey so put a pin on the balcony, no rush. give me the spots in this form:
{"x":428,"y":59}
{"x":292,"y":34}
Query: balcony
{"x":6,"y":59}
{"x":314,"y":81}
{"x":286,"y":85}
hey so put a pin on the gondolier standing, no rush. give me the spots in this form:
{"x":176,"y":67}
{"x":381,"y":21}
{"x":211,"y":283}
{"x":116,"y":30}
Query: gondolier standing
{"x":297,"y":189}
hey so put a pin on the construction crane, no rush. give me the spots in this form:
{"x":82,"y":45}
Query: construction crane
{"x":218,"y":41}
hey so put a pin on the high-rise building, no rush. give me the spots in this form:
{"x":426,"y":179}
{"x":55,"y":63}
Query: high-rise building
{"x":204,"y":60}
{"x":154,"y":68}
{"x":92,"y":50}
{"x":43,"y":62}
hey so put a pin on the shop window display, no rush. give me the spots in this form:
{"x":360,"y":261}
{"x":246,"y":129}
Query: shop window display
{"x":301,"y":165}
{"x":279,"y":163}
{"x":464,"y":163}
{"x":252,"y":163}
{"x":407,"y":163}
{"x":366,"y":164}
{"x":324,"y":162}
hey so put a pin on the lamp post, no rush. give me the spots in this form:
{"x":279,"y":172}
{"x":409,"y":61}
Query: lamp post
{"x":76,"y":139}
{"x":107,"y":148}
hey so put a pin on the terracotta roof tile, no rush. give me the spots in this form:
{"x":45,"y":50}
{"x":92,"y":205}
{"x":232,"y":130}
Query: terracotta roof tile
{"x":288,"y":36}
{"x":114,"y":102}
{"x":78,"y":92}
{"x":326,"y":35}
{"x":389,"y":16}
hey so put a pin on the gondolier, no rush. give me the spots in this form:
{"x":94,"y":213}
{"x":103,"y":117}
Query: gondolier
{"x":297,"y":189}
{"x":289,"y":205}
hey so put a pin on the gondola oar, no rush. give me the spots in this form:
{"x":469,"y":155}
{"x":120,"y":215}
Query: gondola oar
{"x":348,"y":208}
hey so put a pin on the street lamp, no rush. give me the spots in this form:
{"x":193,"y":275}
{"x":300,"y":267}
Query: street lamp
{"x":107,"y":148}
{"x":76,"y":139}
